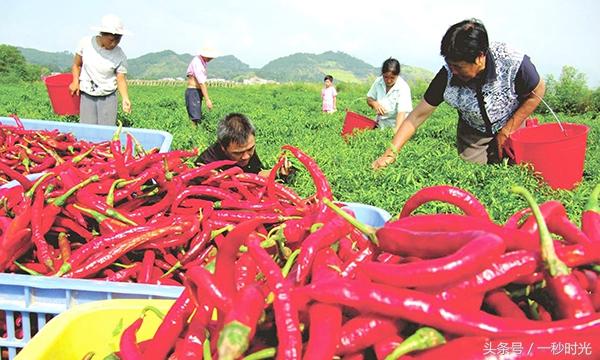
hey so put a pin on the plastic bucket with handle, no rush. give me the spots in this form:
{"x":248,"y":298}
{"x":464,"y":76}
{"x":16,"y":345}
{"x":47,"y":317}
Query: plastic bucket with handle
{"x":63,"y":103}
{"x":354,"y":121}
{"x":555,"y":150}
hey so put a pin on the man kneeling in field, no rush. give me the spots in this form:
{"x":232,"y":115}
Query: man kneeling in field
{"x":236,"y":141}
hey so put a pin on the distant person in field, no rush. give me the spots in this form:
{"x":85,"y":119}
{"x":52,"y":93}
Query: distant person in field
{"x":197,"y":75}
{"x":99,"y":70}
{"x":236,"y":140}
{"x":493,"y":87}
{"x":329,"y":95}
{"x":390,"y":96}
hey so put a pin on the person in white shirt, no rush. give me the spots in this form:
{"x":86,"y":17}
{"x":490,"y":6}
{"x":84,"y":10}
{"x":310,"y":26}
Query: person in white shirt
{"x":390,"y":96}
{"x":99,"y":69}
{"x":197,"y":75}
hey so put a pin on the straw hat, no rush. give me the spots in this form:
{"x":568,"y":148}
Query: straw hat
{"x":209,"y":52}
{"x":111,"y":24}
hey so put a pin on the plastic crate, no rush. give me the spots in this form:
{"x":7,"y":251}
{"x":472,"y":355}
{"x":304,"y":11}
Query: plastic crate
{"x":97,"y":133}
{"x":92,"y":327}
{"x":35,"y":299}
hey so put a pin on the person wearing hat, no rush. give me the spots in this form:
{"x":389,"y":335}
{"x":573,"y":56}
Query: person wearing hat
{"x":493,"y":87}
{"x":197,"y":75}
{"x":99,"y":70}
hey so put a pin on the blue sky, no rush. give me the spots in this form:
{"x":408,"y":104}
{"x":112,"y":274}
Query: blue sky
{"x":553,"y":32}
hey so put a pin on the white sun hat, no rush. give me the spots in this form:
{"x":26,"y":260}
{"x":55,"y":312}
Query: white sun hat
{"x":111,"y":24}
{"x":209,"y":52}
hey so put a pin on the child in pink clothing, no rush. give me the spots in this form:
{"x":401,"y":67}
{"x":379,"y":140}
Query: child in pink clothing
{"x":329,"y":94}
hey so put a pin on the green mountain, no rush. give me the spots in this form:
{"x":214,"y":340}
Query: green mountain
{"x":302,"y":67}
{"x":55,"y":61}
{"x":158,"y":65}
{"x":312,"y":68}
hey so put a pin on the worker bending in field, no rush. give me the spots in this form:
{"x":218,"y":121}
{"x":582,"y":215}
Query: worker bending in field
{"x":493,"y":87}
{"x":236,"y":140}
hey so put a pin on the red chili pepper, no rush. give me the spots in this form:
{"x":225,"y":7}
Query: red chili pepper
{"x":572,"y":300}
{"x":413,"y":231}
{"x":284,"y":192}
{"x":325,"y":319}
{"x":227,"y":254}
{"x":321,"y":184}
{"x":590,"y":218}
{"x":245,"y":271}
{"x":481,"y":250}
{"x":128,"y":348}
{"x":501,"y":303}
{"x":147,"y":265}
{"x":363,"y":331}
{"x":286,"y":313}
{"x":425,"y":309}
{"x":385,"y":347}
{"x":15,"y":175}
{"x":558,"y":222}
{"x":125,"y":274}
{"x":240,"y":323}
{"x":331,"y":231}
{"x":44,"y":250}
{"x":204,"y":171}
{"x":506,"y":269}
{"x":461,"y":198}
{"x":104,"y":258}
{"x":205,"y":287}
{"x":210,"y":192}
{"x":191,"y":348}
{"x":171,"y":327}
{"x":107,"y":225}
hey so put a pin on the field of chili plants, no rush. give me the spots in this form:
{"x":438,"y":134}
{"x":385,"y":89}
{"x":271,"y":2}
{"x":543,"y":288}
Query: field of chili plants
{"x":286,"y":270}
{"x":290,"y":114}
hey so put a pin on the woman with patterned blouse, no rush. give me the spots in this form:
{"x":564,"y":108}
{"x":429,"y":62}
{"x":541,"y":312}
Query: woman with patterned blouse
{"x":493,"y":87}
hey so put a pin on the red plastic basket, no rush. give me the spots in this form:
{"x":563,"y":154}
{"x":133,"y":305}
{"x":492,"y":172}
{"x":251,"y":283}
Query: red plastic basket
{"x":354,"y":122}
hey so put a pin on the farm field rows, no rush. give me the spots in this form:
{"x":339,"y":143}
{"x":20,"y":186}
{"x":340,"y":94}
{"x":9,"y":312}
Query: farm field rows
{"x":290,"y":114}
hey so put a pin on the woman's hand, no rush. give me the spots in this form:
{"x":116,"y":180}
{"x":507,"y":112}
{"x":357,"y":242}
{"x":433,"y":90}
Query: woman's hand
{"x":126,"y":105}
{"x":74,"y":87}
{"x":379,"y":109}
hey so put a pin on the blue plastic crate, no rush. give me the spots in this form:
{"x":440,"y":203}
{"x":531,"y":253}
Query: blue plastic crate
{"x":38,"y":298}
{"x":97,"y":133}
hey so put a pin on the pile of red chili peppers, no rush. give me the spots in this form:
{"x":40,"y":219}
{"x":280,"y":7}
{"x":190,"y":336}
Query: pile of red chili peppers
{"x":267,"y":273}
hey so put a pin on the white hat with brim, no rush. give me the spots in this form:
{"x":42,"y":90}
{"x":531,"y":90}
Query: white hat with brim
{"x":209,"y":52}
{"x":111,"y":24}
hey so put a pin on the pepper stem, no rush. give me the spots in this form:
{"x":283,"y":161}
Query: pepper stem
{"x":592,"y":203}
{"x":268,"y":353}
{"x":422,"y":339}
{"x":233,"y":340}
{"x":554,"y":265}
{"x":369,"y":231}
{"x":60,"y":201}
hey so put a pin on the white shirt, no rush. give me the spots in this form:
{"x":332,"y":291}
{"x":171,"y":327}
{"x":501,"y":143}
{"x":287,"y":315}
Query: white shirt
{"x":100,"y":67}
{"x":398,"y":99}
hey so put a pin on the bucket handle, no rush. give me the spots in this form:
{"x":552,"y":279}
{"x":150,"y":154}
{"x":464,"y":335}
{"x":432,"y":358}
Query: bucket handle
{"x":552,"y":112}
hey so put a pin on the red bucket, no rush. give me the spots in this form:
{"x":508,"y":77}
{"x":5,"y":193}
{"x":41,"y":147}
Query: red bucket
{"x":557,"y":155}
{"x":354,"y":121}
{"x":62,"y":101}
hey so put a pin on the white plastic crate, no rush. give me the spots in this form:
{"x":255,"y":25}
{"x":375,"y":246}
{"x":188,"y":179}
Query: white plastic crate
{"x":98,"y":133}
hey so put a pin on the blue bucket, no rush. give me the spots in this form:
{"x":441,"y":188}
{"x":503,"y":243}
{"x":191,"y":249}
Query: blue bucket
{"x":368,"y":214}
